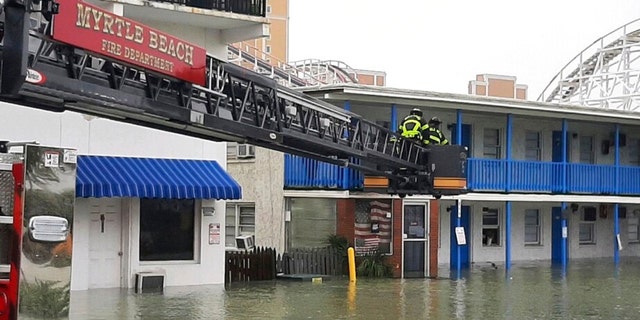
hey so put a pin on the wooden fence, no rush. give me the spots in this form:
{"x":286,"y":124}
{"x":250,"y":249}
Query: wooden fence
{"x":263,"y":263}
{"x":326,"y":261}
{"x":258,"y":264}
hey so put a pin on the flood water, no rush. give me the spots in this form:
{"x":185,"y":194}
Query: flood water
{"x":590,"y":289}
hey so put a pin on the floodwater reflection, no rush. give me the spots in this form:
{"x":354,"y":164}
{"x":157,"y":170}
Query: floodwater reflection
{"x":591,"y":289}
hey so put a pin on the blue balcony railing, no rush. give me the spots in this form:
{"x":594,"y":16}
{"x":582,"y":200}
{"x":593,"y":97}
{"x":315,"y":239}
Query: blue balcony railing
{"x":304,"y":173}
{"x":486,"y":175}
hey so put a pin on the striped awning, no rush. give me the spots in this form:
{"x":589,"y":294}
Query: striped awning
{"x":108,"y":177}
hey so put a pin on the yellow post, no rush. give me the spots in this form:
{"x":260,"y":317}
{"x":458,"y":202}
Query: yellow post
{"x":352,"y":264}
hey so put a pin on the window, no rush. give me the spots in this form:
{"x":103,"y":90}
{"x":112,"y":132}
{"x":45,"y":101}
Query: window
{"x":313,"y":220}
{"x":586,"y":149}
{"x":634,"y":151}
{"x":632,"y":229}
{"x":490,"y":227}
{"x":587,"y":226}
{"x":240,"y":151}
{"x":532,"y":227}
{"x":491,"y":140}
{"x":167,"y":229}
{"x":240,"y":220}
{"x":268,"y":9}
{"x":268,"y":49}
{"x":532,"y":146}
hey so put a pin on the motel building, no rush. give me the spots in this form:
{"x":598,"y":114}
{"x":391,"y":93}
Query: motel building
{"x":545,"y":181}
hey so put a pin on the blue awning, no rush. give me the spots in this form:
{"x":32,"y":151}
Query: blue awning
{"x":108,"y":177}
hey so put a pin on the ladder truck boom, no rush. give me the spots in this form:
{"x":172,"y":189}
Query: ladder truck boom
{"x":61,"y":58}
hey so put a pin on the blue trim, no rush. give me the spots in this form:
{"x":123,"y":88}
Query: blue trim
{"x":616,"y":233}
{"x":507,"y":238}
{"x":616,"y":177}
{"x":508,"y":151}
{"x":394,"y":118}
{"x":459,"y":127}
{"x":564,"y":247}
{"x":458,"y":247}
{"x":565,"y":128}
{"x":111,"y":177}
{"x":347,"y":105}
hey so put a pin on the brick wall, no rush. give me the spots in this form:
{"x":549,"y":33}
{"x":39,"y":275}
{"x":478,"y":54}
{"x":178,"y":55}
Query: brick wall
{"x":345,"y":219}
{"x":395,"y":260}
{"x":434,"y":232}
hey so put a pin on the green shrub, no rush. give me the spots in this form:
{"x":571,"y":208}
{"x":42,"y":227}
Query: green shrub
{"x":44,"y":299}
{"x":374,"y":265}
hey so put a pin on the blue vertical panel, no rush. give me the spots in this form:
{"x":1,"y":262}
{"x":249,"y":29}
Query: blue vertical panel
{"x":556,"y":235}
{"x":617,"y":162}
{"x":459,"y":255}
{"x":565,"y":128}
{"x":508,"y":152}
{"x":507,"y":238}
{"x":394,"y":118}
{"x":459,"y":127}
{"x":616,"y":233}
{"x":564,"y":235}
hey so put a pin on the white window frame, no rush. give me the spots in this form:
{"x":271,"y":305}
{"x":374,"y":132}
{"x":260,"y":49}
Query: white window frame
{"x":495,"y":145}
{"x":633,"y":230}
{"x":235,"y":209}
{"x":634,"y":151}
{"x":537,"y":148}
{"x":537,"y":226}
{"x":268,"y":9}
{"x":592,"y":153}
{"x":588,"y":226}
{"x":492,"y":211}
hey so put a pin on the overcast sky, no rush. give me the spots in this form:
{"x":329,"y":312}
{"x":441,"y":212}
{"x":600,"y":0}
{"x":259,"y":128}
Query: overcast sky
{"x":439,"y":45}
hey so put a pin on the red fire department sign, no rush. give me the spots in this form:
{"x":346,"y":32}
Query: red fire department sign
{"x":86,"y":26}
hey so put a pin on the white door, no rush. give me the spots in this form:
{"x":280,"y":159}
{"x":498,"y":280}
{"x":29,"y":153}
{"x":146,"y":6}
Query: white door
{"x":105,"y":243}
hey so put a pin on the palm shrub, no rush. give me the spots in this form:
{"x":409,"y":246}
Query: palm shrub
{"x":44,"y":299}
{"x":341,"y":245}
{"x":374,"y":265}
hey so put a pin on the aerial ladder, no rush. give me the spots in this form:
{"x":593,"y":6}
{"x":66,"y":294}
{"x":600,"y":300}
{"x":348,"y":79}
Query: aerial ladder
{"x":72,"y":56}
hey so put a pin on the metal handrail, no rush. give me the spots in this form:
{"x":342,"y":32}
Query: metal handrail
{"x":256,"y":8}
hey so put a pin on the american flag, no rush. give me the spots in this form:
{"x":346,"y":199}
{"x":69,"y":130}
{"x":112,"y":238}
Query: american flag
{"x":369,"y":213}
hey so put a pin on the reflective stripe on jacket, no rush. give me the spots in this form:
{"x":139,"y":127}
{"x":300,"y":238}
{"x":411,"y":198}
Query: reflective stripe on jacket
{"x":412,"y":127}
{"x":435,"y":136}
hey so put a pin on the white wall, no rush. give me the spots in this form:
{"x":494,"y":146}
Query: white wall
{"x":97,"y":136}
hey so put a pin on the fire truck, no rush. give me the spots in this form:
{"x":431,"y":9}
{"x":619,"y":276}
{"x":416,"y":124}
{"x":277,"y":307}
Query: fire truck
{"x":69,"y":55}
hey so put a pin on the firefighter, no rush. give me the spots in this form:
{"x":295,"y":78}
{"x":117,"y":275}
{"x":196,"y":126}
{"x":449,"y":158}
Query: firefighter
{"x":433,"y":134}
{"x":413,"y":126}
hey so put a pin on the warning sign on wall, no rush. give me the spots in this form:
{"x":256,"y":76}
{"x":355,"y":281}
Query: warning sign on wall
{"x":214,"y":233}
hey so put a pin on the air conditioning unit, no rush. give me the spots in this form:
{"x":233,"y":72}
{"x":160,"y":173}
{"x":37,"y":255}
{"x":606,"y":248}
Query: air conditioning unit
{"x":149,"y":282}
{"x":245,"y":242}
{"x":245,"y":151}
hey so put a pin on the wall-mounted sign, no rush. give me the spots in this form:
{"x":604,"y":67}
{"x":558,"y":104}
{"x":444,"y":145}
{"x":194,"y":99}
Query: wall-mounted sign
{"x":102,"y":32}
{"x":214,"y":233}
{"x":460,"y":237}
